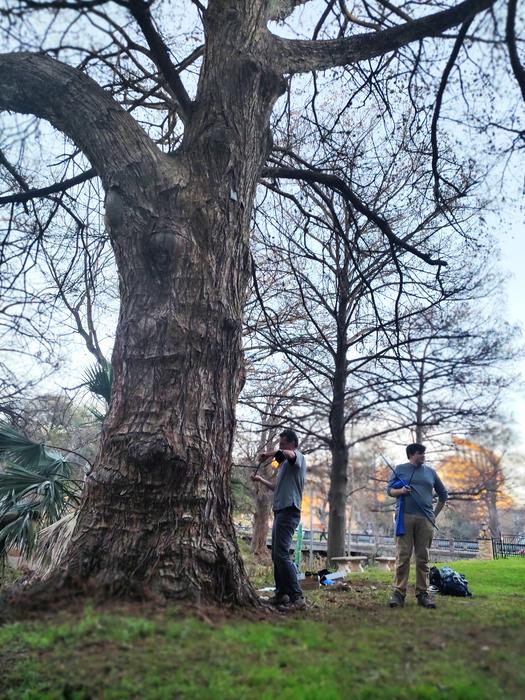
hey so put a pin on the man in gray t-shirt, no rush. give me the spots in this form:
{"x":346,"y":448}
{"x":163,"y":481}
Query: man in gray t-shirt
{"x":288,"y":493}
{"x":413,"y":487}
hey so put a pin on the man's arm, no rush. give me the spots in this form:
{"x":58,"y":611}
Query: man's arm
{"x":439,"y":507}
{"x":260,"y":479}
{"x":396,"y":491}
{"x":442,"y":496}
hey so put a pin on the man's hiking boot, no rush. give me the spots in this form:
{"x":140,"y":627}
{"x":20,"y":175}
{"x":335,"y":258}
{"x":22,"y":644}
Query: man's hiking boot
{"x":294,"y":605}
{"x":396,"y":600}
{"x":425,"y":601}
{"x":279,"y":599}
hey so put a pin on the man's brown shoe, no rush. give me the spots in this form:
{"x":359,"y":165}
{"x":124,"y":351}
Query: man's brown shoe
{"x":396,"y":600}
{"x":425,"y":601}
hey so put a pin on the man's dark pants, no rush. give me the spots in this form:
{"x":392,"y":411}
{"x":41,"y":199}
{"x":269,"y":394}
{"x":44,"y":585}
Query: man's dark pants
{"x":285,"y":522}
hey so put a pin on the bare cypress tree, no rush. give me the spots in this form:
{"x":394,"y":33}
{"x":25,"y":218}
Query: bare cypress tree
{"x":156,"y":510}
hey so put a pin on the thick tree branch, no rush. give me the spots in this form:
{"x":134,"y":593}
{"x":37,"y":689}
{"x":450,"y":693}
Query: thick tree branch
{"x":22,"y":197}
{"x":297,"y":56}
{"x":160,"y":54}
{"x":76,"y":105}
{"x":340,"y":185}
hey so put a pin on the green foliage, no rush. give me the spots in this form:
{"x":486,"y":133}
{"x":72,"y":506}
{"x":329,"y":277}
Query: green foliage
{"x":37,"y":488}
{"x":349,"y":645}
{"x":98,"y":379}
{"x":17,"y":448}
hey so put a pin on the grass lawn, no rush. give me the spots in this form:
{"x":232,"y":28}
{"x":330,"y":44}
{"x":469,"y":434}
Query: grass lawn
{"x":348,"y":644}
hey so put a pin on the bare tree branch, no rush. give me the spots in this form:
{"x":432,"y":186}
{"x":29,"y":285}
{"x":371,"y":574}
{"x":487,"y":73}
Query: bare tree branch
{"x":22,"y":197}
{"x":439,"y":98}
{"x":340,"y":185}
{"x":12,"y":171}
{"x":396,"y":10}
{"x":298,"y":56}
{"x":159,"y":51}
{"x":510,"y":33}
{"x":281,"y":9}
{"x":355,"y":20}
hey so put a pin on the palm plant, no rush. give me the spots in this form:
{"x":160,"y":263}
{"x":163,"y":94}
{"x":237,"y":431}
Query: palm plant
{"x":39,"y":493}
{"x":98,"y":380}
{"x":37,"y":488}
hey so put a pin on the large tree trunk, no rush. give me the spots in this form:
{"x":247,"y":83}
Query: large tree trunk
{"x":156,"y":512}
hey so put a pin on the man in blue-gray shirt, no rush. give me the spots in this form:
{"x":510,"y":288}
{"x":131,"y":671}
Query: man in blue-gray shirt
{"x":413,"y":486}
{"x":288,"y":493}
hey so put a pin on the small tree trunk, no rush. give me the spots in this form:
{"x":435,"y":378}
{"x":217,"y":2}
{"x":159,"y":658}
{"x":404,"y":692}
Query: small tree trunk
{"x":337,"y":494}
{"x":263,"y":496}
{"x":419,"y":406}
{"x":337,"y":499}
{"x":263,"y":508}
{"x":494,"y":524}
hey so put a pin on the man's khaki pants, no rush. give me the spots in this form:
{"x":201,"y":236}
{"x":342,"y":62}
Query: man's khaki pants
{"x":417,"y":539}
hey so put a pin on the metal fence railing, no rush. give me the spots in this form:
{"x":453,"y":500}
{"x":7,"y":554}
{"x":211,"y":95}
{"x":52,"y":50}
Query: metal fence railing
{"x":508,"y":546}
{"x":315,"y":542}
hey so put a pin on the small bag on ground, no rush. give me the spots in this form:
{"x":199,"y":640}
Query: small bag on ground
{"x":449,"y":582}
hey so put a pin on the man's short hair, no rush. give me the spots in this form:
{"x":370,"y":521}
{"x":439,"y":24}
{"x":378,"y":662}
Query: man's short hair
{"x":291,"y":436}
{"x":415,"y":448}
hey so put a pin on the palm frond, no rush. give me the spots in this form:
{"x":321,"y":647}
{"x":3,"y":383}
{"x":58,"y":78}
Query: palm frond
{"x":98,"y":380}
{"x":37,"y":488}
{"x":18,"y":448}
{"x":97,"y":414}
{"x":51,"y":544}
{"x":19,"y":534}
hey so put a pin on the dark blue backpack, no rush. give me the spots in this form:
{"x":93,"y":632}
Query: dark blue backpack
{"x":449,"y":582}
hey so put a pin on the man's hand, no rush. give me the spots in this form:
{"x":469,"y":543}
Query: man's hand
{"x":403,"y":491}
{"x":256,"y":477}
{"x":439,"y":508}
